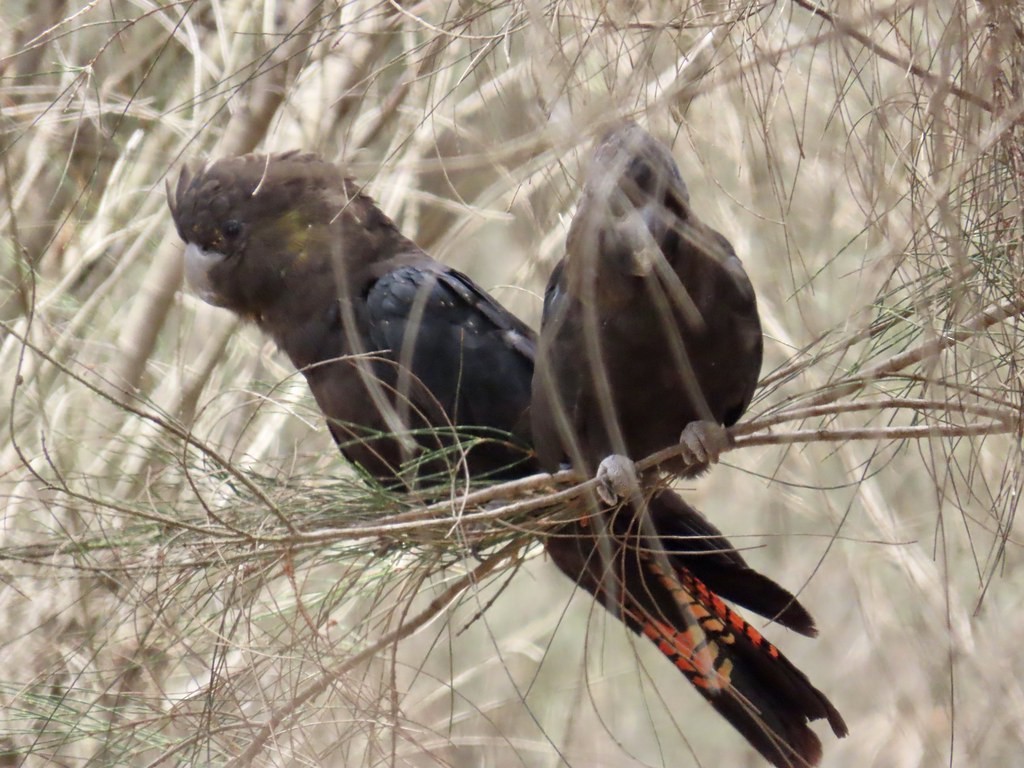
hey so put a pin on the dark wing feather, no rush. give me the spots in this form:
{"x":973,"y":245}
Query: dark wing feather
{"x":472,"y":355}
{"x":559,"y":395}
{"x":554,"y":293}
{"x":517,"y":334}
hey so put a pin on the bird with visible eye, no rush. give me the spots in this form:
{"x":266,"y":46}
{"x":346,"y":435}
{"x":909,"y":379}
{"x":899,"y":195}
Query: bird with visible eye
{"x":391,"y":342}
{"x":650,"y":337}
{"x":202,"y":260}
{"x":231,"y":229}
{"x":659,"y":307}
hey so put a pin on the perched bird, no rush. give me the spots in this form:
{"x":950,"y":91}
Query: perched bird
{"x":406,"y":358}
{"x":651,"y":331}
{"x":288,"y":242}
{"x":396,"y":346}
{"x":651,"y":337}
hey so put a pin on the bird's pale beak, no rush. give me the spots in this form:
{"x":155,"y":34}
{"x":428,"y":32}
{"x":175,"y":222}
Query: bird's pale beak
{"x":198,"y":263}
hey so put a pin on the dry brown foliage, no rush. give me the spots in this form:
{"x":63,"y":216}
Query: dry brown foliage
{"x":190,"y":575}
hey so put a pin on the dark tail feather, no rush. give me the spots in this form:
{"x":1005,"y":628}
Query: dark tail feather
{"x":692,"y":543}
{"x":767,"y":699}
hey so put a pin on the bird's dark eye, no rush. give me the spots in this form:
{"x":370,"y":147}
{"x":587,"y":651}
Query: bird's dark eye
{"x":641,"y":173}
{"x":231,"y":228}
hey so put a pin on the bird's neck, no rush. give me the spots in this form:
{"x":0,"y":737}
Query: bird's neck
{"x":318,"y":314}
{"x":304,"y":321}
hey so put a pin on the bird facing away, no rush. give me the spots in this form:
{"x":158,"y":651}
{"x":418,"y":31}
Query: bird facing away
{"x":399,"y":351}
{"x":651,"y":336}
{"x":650,"y":322}
{"x":287,"y":242}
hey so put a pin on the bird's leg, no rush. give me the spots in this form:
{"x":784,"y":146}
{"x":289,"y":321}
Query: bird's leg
{"x":702,"y":442}
{"x":617,"y":480}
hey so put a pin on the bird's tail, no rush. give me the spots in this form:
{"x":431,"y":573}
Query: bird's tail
{"x":743,"y":676}
{"x":692,"y":543}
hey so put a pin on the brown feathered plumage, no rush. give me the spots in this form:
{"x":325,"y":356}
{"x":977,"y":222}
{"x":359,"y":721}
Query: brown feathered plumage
{"x":389,"y":338}
{"x":390,"y":341}
{"x":650,"y":322}
{"x":650,"y":326}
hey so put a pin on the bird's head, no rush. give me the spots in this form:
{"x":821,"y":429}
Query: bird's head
{"x":630,"y":168}
{"x":257,"y":227}
{"x":633,"y":198}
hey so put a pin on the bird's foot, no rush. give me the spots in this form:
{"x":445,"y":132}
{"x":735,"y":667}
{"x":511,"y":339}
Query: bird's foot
{"x":702,"y":442}
{"x":617,"y":479}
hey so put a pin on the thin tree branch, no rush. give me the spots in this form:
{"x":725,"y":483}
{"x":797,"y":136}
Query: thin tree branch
{"x":283,"y":716}
{"x":906,"y":65}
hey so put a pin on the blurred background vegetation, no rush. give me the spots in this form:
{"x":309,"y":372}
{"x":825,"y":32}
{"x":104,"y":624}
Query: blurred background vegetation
{"x":190,"y":575}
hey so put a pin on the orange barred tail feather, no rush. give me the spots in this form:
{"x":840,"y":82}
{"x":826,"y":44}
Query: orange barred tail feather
{"x":693,"y":544}
{"x":743,"y":676}
{"x":759,"y":691}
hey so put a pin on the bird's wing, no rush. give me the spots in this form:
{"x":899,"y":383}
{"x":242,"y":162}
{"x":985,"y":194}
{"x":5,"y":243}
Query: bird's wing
{"x":471,"y":354}
{"x":558,"y":382}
